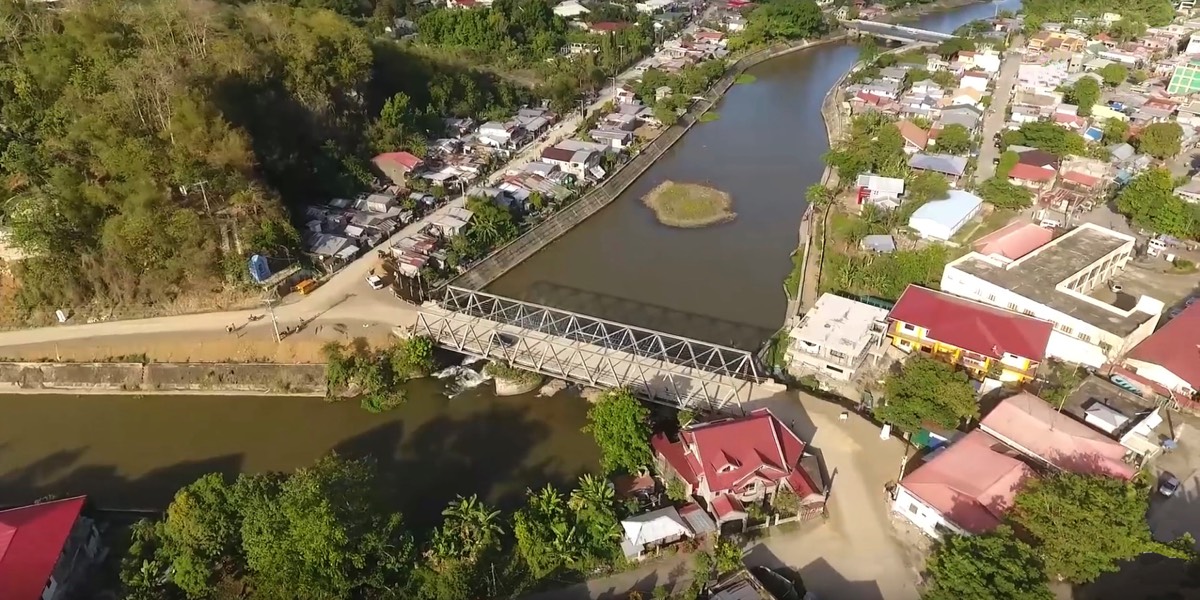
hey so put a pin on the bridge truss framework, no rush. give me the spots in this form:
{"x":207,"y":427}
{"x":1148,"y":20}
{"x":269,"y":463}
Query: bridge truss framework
{"x":590,"y":351}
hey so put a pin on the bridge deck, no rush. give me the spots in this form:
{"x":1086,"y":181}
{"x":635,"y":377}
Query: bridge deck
{"x":590,"y":351}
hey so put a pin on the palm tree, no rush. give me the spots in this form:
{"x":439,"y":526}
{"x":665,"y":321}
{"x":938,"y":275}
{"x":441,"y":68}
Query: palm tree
{"x":470,"y":528}
{"x":593,"y":494}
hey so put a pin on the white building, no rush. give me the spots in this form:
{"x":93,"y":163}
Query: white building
{"x":941,"y":219}
{"x":835,"y":336}
{"x":570,"y":9}
{"x":1059,"y":282}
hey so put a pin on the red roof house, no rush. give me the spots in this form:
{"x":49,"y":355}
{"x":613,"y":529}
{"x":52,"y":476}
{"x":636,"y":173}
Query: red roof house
{"x":1081,"y":179}
{"x":1033,"y":427}
{"x":735,"y":461}
{"x":41,"y":546}
{"x":397,"y":165}
{"x":609,"y":26}
{"x":975,"y":336}
{"x":1032,"y":177}
{"x":1014,"y":240}
{"x":1171,"y":356}
{"x":967,"y":487}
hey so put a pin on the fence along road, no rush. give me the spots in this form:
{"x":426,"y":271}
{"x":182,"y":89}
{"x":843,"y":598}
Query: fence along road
{"x":512,"y":254}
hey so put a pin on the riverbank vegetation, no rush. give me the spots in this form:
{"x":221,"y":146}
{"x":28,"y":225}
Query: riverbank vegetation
{"x":620,"y":424}
{"x":689,"y":205}
{"x":150,"y":147}
{"x":323,"y":532}
{"x":511,"y":374}
{"x":781,"y":21}
{"x":375,"y":377}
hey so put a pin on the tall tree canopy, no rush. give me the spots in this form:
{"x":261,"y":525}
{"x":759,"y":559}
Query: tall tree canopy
{"x":1161,"y":140}
{"x":1149,"y":201}
{"x":783,"y":20}
{"x":927,"y":390}
{"x":994,"y":565}
{"x":317,"y":533}
{"x":149,"y":147}
{"x":1046,"y":136}
{"x":1084,"y":94}
{"x":1084,"y":525}
{"x":619,"y":423}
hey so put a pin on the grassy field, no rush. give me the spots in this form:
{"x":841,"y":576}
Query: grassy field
{"x":689,"y":204}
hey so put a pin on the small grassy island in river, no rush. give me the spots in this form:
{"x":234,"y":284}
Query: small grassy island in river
{"x":689,"y":204}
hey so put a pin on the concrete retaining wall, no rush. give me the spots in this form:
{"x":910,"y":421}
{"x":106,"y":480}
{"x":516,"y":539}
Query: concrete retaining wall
{"x":515,"y":252}
{"x":152,"y":378}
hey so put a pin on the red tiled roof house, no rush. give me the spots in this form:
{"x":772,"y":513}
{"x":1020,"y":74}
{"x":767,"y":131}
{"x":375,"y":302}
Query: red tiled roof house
{"x":730,"y":463}
{"x":1032,"y":177}
{"x":1170,"y":357}
{"x":44,"y":547}
{"x":988,"y":341}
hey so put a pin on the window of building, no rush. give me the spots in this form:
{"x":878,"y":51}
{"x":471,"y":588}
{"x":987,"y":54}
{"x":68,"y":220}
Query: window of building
{"x":912,"y":508}
{"x":991,"y":297}
{"x":907,"y":328}
{"x":1067,"y":329}
{"x":1106,"y":347}
{"x":836,"y":354}
{"x":1028,"y":312}
{"x":1012,"y":306}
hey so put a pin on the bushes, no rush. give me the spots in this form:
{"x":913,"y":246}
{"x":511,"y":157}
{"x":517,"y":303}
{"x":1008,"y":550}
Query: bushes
{"x":375,"y":376}
{"x":510,"y":373}
{"x":884,"y":276}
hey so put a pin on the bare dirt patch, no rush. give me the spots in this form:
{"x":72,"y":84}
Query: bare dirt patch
{"x":689,"y":205}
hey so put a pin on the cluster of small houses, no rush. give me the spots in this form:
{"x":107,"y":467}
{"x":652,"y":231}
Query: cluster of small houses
{"x":1052,"y":60}
{"x":1020,"y":297}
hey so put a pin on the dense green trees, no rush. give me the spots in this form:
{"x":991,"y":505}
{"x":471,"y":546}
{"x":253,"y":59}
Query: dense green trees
{"x":1114,"y":74}
{"x":1084,"y":94}
{"x":1149,"y":201}
{"x":620,"y":424}
{"x":994,"y":565}
{"x":114,"y":112}
{"x":884,"y":276}
{"x":510,"y":31}
{"x":927,"y":390}
{"x":1002,"y":193}
{"x":1084,"y":525}
{"x":1046,"y":136}
{"x":1161,"y":140}
{"x":873,"y":145}
{"x":317,"y":533}
{"x":1115,"y":131}
{"x":954,"y":139}
{"x":781,"y":21}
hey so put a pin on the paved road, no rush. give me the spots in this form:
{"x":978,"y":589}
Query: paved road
{"x":994,"y":118}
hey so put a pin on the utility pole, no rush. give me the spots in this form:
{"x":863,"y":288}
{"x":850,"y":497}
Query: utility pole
{"x":274,"y":321}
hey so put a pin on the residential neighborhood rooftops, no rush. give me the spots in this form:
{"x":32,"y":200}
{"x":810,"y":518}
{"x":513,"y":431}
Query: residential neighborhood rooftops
{"x":31,"y":540}
{"x":1038,"y":274}
{"x":972,"y":483}
{"x":972,"y":325}
{"x":1030,"y":424}
{"x":1175,"y":347}
{"x":839,"y":324}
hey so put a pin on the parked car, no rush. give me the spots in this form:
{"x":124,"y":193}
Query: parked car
{"x":1169,"y":485}
{"x":375,"y":281}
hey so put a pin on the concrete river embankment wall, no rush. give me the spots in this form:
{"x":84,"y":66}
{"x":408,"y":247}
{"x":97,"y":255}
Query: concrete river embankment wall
{"x":241,"y":378}
{"x":512,"y":254}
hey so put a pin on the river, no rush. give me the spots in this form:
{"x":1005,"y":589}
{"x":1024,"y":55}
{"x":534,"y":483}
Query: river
{"x":133,"y":452}
{"x":723,"y":284}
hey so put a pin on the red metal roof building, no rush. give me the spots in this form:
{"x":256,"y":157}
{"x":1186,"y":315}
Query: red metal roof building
{"x":734,"y":461}
{"x":975,"y":336}
{"x":1014,"y":240}
{"x":967,"y":487}
{"x":396,"y":165}
{"x":1031,"y":176}
{"x":1033,"y":427}
{"x":36,"y":553}
{"x":1171,"y":356}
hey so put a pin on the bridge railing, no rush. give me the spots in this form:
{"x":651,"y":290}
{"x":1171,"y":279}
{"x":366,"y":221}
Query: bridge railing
{"x":636,"y":341}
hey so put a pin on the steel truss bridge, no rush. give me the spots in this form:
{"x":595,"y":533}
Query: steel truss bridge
{"x":899,"y":33}
{"x":594,"y":352}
